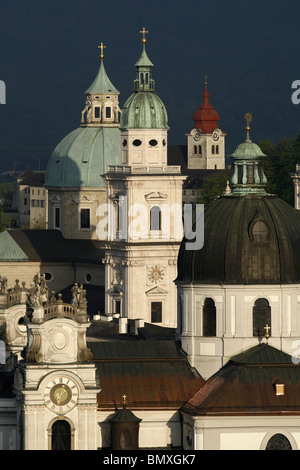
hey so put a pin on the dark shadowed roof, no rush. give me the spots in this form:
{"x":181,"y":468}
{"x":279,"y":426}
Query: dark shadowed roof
{"x":32,"y":178}
{"x":47,"y":245}
{"x":247,"y":385}
{"x":233,"y":254}
{"x":150,"y":374}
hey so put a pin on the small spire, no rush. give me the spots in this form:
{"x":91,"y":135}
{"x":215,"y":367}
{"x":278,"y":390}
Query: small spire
{"x":143,"y":32}
{"x":205,"y":82}
{"x":248,"y":117}
{"x":101,"y":47}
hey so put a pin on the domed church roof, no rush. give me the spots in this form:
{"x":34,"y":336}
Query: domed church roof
{"x":250,"y":237}
{"x":83,"y":155}
{"x":144,"y":109}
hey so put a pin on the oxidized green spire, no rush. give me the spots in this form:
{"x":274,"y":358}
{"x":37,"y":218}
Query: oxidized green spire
{"x":248,"y":170}
{"x":144,"y":81}
{"x":102,"y":83}
{"x":144,"y":109}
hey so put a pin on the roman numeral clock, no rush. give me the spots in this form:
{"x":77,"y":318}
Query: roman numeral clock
{"x":60,"y":395}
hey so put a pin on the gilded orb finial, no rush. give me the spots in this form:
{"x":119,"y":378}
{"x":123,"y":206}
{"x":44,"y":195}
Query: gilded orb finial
{"x":101,"y":47}
{"x":143,"y":32}
{"x":248,"y":117}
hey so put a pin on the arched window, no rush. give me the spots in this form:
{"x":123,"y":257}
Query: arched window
{"x":155,"y":218}
{"x":279,"y":442}
{"x":209,"y":317}
{"x":261,"y":318}
{"x":61,"y":435}
{"x":213,"y":149}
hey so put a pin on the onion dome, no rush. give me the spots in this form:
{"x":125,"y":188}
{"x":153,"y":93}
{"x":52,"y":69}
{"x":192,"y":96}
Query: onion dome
{"x":206,"y":118}
{"x":250,"y":237}
{"x":144,"y":109}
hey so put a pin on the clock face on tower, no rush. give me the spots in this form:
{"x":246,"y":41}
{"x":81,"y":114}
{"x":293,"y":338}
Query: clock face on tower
{"x":60,"y":395}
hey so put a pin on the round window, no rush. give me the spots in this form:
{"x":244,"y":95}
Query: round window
{"x":259,"y":231}
{"x":137,"y":142}
{"x":88,"y":277}
{"x":48,"y":276}
{"x":124,"y":143}
{"x":153,"y":142}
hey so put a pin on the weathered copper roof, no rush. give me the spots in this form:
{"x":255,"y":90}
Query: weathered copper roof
{"x":152,"y":374}
{"x":47,"y":245}
{"x":246,"y":385}
{"x":237,"y":257}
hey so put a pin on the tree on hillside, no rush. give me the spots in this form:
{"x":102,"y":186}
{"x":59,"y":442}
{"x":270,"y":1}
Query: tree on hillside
{"x":280,"y":162}
{"x":213,"y":187}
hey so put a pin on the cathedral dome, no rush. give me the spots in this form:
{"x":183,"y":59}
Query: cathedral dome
{"x":247,"y":240}
{"x":206,"y":118}
{"x":82,"y":157}
{"x":250,"y":237}
{"x":144,"y":110}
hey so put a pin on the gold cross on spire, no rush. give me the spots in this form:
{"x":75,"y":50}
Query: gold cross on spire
{"x":101,"y":47}
{"x":248,"y":117}
{"x":124,"y":398}
{"x":267,"y":328}
{"x":143,"y":32}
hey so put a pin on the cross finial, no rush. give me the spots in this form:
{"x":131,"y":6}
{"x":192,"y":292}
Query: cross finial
{"x":267,"y":328}
{"x":143,"y":32}
{"x":248,"y":117}
{"x":124,"y":398}
{"x":205,"y":81}
{"x":101,"y":47}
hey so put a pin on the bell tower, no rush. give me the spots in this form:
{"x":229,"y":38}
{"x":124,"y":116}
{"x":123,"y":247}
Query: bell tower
{"x":206,"y":142}
{"x":145,"y":197}
{"x":59,"y":394}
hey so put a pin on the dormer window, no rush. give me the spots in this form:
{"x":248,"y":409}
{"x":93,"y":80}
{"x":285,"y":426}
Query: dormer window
{"x":279,"y":389}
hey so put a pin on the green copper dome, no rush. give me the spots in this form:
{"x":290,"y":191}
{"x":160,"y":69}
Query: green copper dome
{"x":144,"y":109}
{"x":248,"y":150}
{"x":82,"y":157}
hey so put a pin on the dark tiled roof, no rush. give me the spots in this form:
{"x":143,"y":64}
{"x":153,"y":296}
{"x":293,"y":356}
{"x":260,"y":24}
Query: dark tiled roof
{"x":50,"y":245}
{"x":246,"y":385}
{"x":32,"y":178}
{"x":152,"y":374}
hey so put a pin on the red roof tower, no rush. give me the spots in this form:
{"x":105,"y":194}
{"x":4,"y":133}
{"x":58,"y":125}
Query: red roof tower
{"x":206,"y":118}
